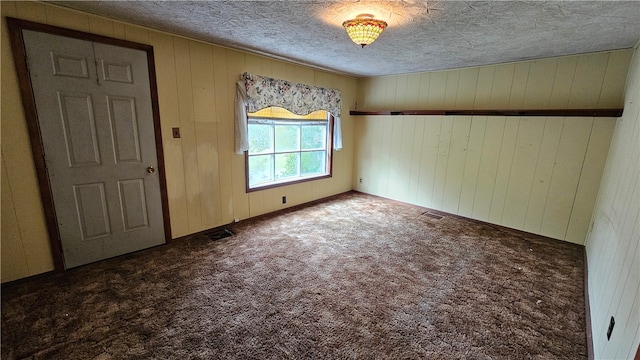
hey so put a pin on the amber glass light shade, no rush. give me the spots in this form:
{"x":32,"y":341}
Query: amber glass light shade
{"x":364,"y":30}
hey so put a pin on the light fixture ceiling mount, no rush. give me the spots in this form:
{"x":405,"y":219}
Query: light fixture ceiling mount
{"x":364,"y":29}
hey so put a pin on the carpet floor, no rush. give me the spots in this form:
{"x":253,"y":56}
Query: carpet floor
{"x":350,"y":277}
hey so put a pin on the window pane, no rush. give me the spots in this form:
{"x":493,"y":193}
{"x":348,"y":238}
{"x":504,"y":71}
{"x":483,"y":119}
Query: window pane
{"x":260,"y":138}
{"x":287,"y":138}
{"x":260,"y":169}
{"x":314,"y":137}
{"x":313,"y":162}
{"x":287,"y":165}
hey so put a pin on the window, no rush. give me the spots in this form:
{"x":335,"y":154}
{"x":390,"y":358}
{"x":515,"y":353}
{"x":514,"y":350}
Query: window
{"x":285,"y":148}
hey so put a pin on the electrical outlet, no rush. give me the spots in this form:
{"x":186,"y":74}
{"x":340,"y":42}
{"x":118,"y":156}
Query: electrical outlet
{"x":612,"y":322}
{"x":360,"y":180}
{"x":284,"y":199}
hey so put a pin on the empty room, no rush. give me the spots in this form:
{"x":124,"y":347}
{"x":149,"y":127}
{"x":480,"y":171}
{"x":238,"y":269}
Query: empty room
{"x":320,"y":180}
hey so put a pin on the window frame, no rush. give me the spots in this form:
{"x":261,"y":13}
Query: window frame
{"x":297,"y":180}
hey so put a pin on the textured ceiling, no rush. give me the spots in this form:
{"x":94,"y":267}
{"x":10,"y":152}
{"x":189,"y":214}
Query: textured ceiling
{"x":422,"y":35}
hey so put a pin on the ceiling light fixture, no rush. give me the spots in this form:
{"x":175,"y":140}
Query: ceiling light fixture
{"x":364,"y":29}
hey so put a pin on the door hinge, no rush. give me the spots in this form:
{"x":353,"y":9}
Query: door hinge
{"x":44,"y":160}
{"x":26,"y":59}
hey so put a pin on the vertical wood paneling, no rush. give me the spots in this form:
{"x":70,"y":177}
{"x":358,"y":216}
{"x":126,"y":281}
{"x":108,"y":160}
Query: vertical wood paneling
{"x":493,"y":135}
{"x":484,"y":87}
{"x":206,"y":132}
{"x":587,"y":83}
{"x":525,"y":157}
{"x":565,"y":71}
{"x":613,"y":243}
{"x":442,"y":161}
{"x":456,"y":163}
{"x":188,"y":133}
{"x":503,"y":173}
{"x":611,"y":94}
{"x":173,"y":157}
{"x":519,"y":85}
{"x":542,"y":175}
{"x":429,"y":156}
{"x":501,"y":86}
{"x":565,"y":177}
{"x":224,"y":91}
{"x":472,"y":165}
{"x":595,"y":157}
{"x":10,"y":230}
{"x":538,"y":90}
{"x":416,"y":159}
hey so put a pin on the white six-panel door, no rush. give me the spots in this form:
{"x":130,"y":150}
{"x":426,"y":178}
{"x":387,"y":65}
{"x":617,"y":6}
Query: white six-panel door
{"x":95,"y":115}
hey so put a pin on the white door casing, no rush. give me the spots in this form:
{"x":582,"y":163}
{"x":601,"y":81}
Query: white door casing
{"x":95,"y":115}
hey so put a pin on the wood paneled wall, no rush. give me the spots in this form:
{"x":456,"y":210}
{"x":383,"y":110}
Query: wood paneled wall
{"x":538,"y":174}
{"x":613,"y":245}
{"x":196,"y":88}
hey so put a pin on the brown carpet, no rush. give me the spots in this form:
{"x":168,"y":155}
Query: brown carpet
{"x":351,"y":277}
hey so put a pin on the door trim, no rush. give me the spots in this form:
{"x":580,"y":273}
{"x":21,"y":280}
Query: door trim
{"x":28,"y":101}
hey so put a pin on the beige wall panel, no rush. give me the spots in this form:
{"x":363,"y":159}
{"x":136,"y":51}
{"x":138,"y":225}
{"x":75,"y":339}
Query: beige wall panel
{"x":401,"y":92}
{"x":472,"y":165}
{"x":566,"y":174}
{"x":303,"y":75}
{"x":416,"y":160}
{"x":119,"y":30}
{"x":612,"y":94}
{"x":14,"y":261}
{"x":406,"y":154}
{"x":206,"y":132}
{"x":543,"y":171}
{"x":101,"y":26}
{"x":389,"y":97}
{"x":170,"y":117}
{"x":428,"y":160}
{"x":451,"y":89}
{"x":539,"y":84}
{"x":28,"y":10}
{"x":501,"y":87}
{"x":437,"y":86}
{"x":456,"y":163}
{"x":521,"y":177}
{"x":484,"y":87}
{"x":70,"y":19}
{"x":519,"y":85}
{"x":562,"y":81}
{"x":503,"y":172}
{"x":236,"y":66}
{"x":372,"y":169}
{"x":413,"y":92}
{"x":188,"y":133}
{"x":442,"y":161}
{"x":384,"y":156}
{"x":594,"y":161}
{"x":395,"y":178}
{"x":224,"y":96}
{"x":587,"y":82}
{"x":493,"y":135}
{"x":423,"y":91}
{"x":467,"y":86}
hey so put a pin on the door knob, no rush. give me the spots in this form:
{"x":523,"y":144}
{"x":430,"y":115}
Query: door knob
{"x":151,"y":170}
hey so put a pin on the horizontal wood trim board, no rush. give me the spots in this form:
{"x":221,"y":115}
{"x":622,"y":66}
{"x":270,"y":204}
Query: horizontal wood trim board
{"x":533,"y":112}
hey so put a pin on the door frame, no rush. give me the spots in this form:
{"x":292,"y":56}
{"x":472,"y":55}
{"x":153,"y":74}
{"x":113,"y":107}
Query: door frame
{"x":28,"y":102}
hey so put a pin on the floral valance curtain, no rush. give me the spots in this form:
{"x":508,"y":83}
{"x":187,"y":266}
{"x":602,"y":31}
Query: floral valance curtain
{"x":254,"y":93}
